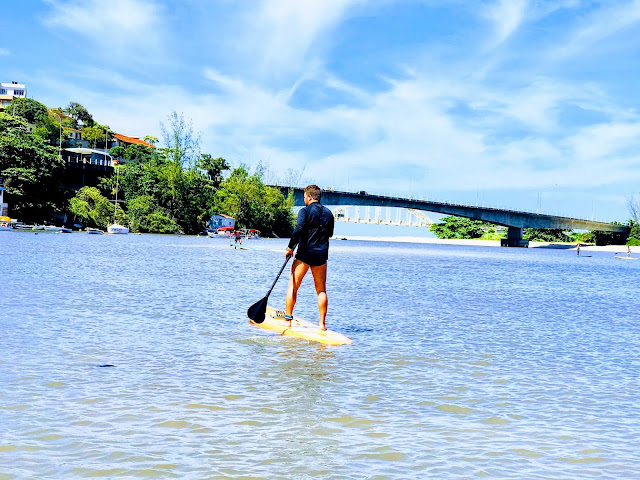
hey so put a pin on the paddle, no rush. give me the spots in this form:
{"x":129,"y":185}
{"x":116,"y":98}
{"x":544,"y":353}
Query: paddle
{"x":257,"y":310}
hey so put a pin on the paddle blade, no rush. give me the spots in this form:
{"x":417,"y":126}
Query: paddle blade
{"x":257,"y":311}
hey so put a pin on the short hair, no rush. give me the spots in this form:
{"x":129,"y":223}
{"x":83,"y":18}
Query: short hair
{"x":314,"y":192}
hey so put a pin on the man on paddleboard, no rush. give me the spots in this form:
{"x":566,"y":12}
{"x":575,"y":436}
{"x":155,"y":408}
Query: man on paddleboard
{"x":313,"y":230}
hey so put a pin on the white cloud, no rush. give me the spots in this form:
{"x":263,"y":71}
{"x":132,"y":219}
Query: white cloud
{"x":120,"y":25}
{"x":283,"y":36}
{"x":598,"y":26}
{"x":506,"y":16}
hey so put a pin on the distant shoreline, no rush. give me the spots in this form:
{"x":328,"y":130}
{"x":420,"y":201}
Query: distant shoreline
{"x":489,"y":243}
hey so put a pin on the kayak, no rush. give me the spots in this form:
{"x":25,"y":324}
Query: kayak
{"x":300,"y":329}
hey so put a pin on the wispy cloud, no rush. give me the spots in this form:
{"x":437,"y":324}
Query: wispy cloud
{"x":599,"y":25}
{"x":120,"y":25}
{"x":284,"y":36}
{"x":4,"y":52}
{"x":506,"y":16}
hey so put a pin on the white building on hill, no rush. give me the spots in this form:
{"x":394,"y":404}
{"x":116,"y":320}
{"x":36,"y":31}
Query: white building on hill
{"x":9,"y":91}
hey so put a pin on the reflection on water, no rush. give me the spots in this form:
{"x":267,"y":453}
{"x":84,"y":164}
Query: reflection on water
{"x":132,"y":357}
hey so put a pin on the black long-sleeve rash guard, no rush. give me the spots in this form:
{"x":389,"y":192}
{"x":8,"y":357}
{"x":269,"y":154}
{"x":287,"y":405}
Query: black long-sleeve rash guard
{"x":313,"y":230}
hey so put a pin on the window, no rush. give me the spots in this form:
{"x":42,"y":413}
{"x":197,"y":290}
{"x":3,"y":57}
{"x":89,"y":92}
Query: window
{"x":18,"y":93}
{"x":3,"y":91}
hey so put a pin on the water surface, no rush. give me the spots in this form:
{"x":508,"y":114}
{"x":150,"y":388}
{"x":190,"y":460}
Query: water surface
{"x":131,"y":356}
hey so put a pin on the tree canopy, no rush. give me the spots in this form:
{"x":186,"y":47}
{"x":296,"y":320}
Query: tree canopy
{"x":96,"y":135}
{"x":182,"y":143}
{"x":460,"y":228}
{"x":31,"y":110}
{"x":79,"y":114}
{"x":30,"y":169}
{"x":254,"y":205}
{"x":545,"y":235}
{"x":93,"y":209}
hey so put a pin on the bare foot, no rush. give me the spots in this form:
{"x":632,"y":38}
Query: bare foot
{"x":322,"y":326}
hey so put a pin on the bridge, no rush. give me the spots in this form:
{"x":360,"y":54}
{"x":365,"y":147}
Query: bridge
{"x":515,"y":220}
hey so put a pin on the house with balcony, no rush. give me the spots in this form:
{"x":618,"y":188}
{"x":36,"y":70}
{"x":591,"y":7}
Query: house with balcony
{"x":9,"y":91}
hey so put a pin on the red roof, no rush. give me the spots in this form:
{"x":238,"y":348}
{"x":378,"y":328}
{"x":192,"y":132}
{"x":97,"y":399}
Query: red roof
{"x":134,"y":140}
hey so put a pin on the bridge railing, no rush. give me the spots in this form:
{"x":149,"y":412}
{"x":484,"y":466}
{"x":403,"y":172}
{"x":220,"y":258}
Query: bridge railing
{"x":497,"y":208}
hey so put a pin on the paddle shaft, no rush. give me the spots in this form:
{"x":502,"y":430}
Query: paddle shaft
{"x":278,"y":277}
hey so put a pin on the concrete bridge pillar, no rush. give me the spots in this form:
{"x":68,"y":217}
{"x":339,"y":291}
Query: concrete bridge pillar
{"x":514,"y":238}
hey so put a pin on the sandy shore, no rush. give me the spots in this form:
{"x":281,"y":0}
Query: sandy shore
{"x":491,"y":243}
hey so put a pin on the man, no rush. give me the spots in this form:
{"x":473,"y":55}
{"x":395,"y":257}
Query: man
{"x":237,"y":237}
{"x":313,"y":230}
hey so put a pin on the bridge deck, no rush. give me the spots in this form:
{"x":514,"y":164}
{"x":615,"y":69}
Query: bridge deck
{"x":507,"y":218}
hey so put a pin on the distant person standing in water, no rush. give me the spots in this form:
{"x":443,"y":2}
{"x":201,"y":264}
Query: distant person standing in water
{"x":578,"y":248}
{"x":628,"y":250}
{"x":313,"y":230}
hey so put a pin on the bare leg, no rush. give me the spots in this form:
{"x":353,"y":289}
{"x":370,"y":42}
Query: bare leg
{"x":320,"y":282}
{"x":298,"y":271}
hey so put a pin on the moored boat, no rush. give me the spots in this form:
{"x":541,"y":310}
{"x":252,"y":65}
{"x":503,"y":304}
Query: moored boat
{"x":5,"y":224}
{"x":222,"y":232}
{"x":116,"y":229}
{"x":94,"y":231}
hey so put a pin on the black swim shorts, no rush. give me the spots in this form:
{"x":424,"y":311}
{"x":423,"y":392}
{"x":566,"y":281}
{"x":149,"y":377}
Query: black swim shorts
{"x":313,"y":260}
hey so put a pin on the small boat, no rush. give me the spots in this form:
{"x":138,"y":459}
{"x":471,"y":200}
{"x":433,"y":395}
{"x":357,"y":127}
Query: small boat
{"x":21,"y":226}
{"x":52,"y":228}
{"x":94,"y":231}
{"x":250,"y":233}
{"x":222,"y":232}
{"x":116,"y":229}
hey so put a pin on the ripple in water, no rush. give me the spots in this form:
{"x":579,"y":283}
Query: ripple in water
{"x":132,"y":357}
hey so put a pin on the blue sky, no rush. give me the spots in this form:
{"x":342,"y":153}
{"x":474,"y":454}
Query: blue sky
{"x":524,"y":104}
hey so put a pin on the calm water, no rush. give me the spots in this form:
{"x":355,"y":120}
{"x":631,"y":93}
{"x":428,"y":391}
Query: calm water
{"x":467,"y":362}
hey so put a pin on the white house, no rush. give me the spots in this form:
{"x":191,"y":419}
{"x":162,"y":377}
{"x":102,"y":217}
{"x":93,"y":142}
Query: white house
{"x":219,"y":221}
{"x":9,"y":91}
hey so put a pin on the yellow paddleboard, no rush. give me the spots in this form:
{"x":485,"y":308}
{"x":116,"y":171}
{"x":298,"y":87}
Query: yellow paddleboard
{"x":301,"y":329}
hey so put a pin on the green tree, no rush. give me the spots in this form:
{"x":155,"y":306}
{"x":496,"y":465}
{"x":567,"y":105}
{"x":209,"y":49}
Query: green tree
{"x":93,"y":209}
{"x":51,"y":129}
{"x":80,"y":114}
{"x":97,"y":135}
{"x":138,"y":153}
{"x":31,"y":110}
{"x":31,"y":171}
{"x":254,"y":205}
{"x":145,"y":215}
{"x":150,"y":139}
{"x":117,"y":152}
{"x":634,"y":234}
{"x":182,"y":143}
{"x":545,"y":235}
{"x":460,"y":228}
{"x":213,"y":167}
